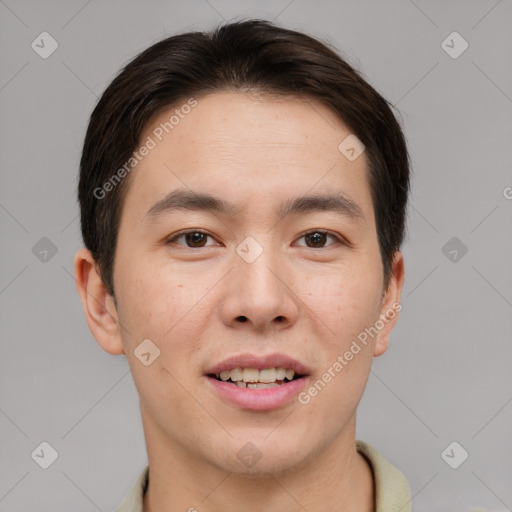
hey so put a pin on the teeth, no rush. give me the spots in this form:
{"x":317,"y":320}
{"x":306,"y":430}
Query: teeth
{"x":236,"y":374}
{"x":252,"y":376}
{"x":263,"y":385}
{"x":280,"y":373}
{"x":268,"y":375}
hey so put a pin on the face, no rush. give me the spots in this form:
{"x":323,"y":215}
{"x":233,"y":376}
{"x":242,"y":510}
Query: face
{"x":260,"y":281}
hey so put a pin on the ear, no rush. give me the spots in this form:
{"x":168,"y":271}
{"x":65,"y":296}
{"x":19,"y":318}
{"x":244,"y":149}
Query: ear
{"x":100,"y":311}
{"x":390,"y":305}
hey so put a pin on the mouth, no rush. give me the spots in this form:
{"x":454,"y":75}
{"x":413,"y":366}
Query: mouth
{"x":252,"y":378}
{"x":258,"y":383}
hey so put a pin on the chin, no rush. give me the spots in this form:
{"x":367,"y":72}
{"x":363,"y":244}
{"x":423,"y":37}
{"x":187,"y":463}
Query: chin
{"x":256,"y":457}
{"x":275,"y":465}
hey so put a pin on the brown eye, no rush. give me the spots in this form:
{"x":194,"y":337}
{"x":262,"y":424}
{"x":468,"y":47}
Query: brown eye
{"x":317,"y":239}
{"x":193,"y":239}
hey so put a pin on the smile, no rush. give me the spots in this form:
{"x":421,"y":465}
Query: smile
{"x":252,"y":378}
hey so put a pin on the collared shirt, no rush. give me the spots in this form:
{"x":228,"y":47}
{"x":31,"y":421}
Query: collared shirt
{"x":392,"y":492}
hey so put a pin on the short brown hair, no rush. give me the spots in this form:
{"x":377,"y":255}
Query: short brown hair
{"x":253,"y":55}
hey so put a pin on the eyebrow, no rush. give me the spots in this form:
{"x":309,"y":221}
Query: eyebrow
{"x":182,"y":199}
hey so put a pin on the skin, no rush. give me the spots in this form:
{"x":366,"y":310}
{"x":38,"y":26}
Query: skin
{"x":307,"y":302}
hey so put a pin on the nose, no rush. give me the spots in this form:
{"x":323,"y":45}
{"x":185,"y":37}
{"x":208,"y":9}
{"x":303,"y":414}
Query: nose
{"x":260,"y":294}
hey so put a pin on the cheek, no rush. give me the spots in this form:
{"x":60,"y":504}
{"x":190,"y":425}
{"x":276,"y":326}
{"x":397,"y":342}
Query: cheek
{"x":154,"y":299}
{"x":166,"y":398}
{"x":346,"y":301}
{"x":170,"y":309}
{"x":168,"y":312}
{"x":347,"y":305}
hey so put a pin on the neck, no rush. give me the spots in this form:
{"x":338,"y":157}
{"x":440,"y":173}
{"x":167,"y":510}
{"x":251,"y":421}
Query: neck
{"x":337,"y":478}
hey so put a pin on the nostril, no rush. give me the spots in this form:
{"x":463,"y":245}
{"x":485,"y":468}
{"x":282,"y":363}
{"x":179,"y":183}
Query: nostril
{"x":242,"y":318}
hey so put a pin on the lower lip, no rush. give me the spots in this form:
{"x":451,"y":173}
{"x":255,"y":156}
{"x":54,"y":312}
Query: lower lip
{"x":258,"y":399}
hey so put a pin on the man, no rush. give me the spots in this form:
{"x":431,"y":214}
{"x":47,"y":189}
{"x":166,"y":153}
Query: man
{"x":243,"y":197}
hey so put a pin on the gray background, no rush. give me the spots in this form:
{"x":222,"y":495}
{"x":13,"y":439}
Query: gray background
{"x":446,"y":376}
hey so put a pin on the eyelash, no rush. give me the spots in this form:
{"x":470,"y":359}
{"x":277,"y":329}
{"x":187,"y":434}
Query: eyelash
{"x":175,"y":237}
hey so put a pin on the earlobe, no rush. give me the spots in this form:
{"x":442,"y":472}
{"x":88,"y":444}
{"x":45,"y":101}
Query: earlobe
{"x":381,"y":345}
{"x":99,"y":309}
{"x":391,"y":305}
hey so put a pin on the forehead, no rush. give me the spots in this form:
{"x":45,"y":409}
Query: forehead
{"x":246,"y":146}
{"x":252,"y":120}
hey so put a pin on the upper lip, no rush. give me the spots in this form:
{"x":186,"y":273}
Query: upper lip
{"x":260,"y":363}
